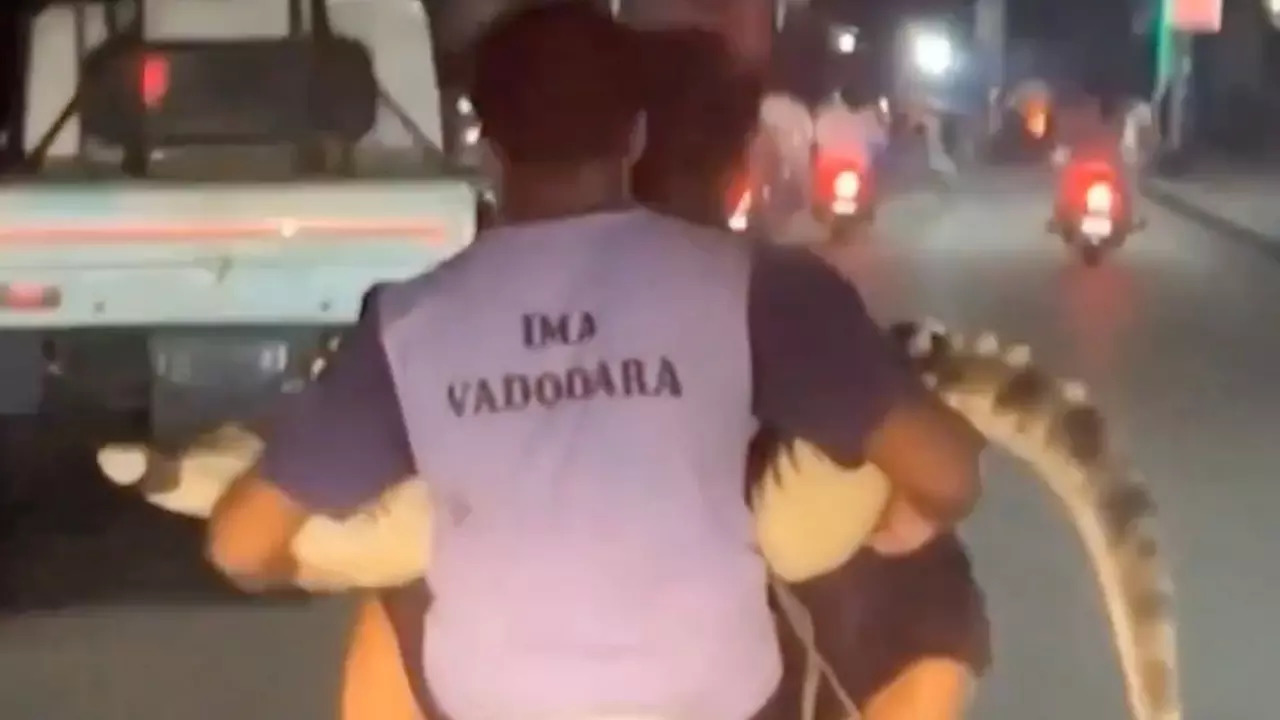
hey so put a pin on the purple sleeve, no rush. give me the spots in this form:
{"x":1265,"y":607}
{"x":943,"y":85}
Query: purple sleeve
{"x":341,"y":442}
{"x":822,"y":369}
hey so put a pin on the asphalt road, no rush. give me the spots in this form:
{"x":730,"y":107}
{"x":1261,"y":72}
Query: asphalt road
{"x":1178,"y":336}
{"x":110,"y":615}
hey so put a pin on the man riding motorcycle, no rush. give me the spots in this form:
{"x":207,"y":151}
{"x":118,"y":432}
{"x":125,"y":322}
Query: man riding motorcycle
{"x":925,"y":117}
{"x":1139,"y":137}
{"x":849,"y":147}
{"x":1031,"y":100}
{"x":1096,"y":177}
{"x":844,"y":133}
{"x":780,"y":159}
{"x":343,"y":440}
{"x":902,"y":622}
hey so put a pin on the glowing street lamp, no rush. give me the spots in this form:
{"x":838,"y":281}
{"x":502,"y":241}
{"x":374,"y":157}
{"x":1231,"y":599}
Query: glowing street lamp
{"x":846,"y":41}
{"x":933,"y":53}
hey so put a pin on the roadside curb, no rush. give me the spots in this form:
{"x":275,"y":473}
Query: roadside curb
{"x":1172,"y":201}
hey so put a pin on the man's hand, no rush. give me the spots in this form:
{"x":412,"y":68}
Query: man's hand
{"x":251,"y":532}
{"x":384,"y":544}
{"x":930,"y":455}
{"x":902,"y":530}
{"x":329,"y":450}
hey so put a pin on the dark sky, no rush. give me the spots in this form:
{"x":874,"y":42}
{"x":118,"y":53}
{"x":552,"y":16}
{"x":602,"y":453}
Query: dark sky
{"x":1081,"y":19}
{"x":1052,"y":19}
{"x":1095,"y":32}
{"x":9,"y":69}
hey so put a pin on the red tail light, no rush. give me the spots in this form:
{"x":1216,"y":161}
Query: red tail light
{"x":29,"y":296}
{"x":1099,"y":198}
{"x":846,"y":185}
{"x":154,"y":80}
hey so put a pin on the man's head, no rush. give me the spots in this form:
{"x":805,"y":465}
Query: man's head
{"x":701,"y":110}
{"x":555,"y":89}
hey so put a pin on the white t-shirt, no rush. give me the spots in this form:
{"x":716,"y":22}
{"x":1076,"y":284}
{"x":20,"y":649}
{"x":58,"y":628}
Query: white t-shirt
{"x":788,"y":125}
{"x":590,"y":547}
{"x":841,"y":131}
{"x":1139,"y":122}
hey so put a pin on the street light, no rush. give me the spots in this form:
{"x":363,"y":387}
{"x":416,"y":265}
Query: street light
{"x":846,"y":42}
{"x":842,"y":39}
{"x":933,"y":53}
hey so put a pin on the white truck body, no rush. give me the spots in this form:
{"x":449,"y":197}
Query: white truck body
{"x":221,"y":254}
{"x":396,"y":32}
{"x":207,"y":284}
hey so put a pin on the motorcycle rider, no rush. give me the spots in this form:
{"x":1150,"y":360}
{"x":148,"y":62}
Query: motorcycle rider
{"x":669,"y":588}
{"x":1091,"y":131}
{"x":925,"y":119}
{"x":1139,"y":137}
{"x":788,"y":122}
{"x":902,"y":622}
{"x":1032,"y":101}
{"x":844,"y":132}
{"x":782,"y":149}
{"x":692,"y":83}
{"x":846,"y":136}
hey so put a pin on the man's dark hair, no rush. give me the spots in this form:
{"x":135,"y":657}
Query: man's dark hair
{"x":701,"y":108}
{"x":556,"y":83}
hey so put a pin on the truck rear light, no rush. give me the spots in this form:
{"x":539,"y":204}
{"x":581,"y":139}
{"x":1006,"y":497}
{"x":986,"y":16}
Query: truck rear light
{"x":153,"y":83}
{"x":29,"y":296}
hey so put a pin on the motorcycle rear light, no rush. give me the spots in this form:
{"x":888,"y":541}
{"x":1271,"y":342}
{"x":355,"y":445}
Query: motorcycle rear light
{"x":29,"y":296}
{"x":1099,"y":198}
{"x":846,"y":185}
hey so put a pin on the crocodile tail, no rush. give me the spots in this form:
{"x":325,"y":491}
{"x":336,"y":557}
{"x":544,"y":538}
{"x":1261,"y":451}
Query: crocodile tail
{"x":1051,"y":425}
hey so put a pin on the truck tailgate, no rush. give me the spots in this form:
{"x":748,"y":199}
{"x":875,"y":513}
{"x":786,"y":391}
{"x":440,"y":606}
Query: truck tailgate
{"x":148,"y":253}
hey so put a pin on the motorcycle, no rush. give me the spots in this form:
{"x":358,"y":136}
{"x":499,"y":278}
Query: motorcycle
{"x":844,"y":198}
{"x":1094,"y":214}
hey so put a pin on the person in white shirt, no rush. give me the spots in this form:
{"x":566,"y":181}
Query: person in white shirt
{"x":846,"y":136}
{"x":1138,"y":136}
{"x":593,"y":550}
{"x":925,"y":119}
{"x":843,"y":132}
{"x":781,"y":152}
{"x":787,"y":124}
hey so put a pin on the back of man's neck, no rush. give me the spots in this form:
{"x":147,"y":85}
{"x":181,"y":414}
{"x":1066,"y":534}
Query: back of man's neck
{"x":695,"y":207}
{"x":539,"y":209}
{"x":533,"y":195}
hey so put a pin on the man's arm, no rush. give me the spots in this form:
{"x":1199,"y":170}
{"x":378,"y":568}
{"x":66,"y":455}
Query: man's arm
{"x":332,"y":448}
{"x":933,"y":688}
{"x":825,"y":373}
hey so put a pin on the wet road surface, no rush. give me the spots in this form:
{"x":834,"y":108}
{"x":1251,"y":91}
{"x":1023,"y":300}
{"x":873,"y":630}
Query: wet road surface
{"x":109,"y":613}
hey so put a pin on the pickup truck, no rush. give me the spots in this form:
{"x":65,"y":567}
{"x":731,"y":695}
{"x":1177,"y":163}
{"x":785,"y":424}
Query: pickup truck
{"x":207,"y":191}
